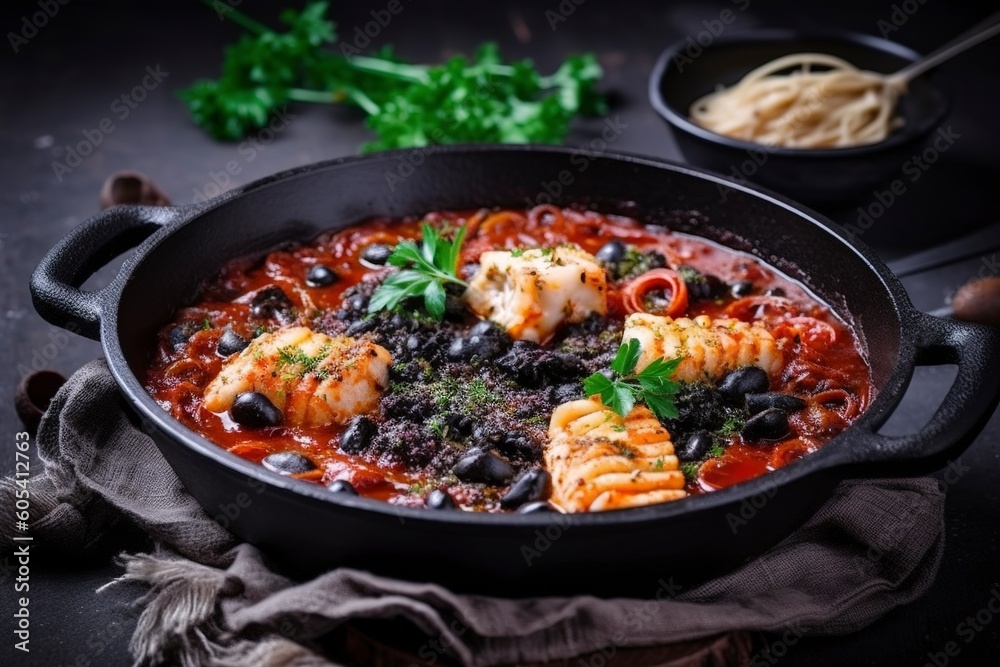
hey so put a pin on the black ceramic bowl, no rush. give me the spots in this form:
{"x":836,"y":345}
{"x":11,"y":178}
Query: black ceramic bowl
{"x":814,"y":176}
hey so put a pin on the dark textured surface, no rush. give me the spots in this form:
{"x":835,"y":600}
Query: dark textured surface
{"x":65,"y":80}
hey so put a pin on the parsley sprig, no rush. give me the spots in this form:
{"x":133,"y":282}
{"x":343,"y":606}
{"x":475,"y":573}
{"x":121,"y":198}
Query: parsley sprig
{"x":652,"y":385}
{"x":460,"y":101}
{"x":424,"y":270}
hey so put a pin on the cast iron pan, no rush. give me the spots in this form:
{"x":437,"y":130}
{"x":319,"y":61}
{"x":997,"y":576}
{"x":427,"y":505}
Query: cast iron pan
{"x":309,"y":529}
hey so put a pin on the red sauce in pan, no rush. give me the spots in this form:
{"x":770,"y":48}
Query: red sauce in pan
{"x":823,"y":359}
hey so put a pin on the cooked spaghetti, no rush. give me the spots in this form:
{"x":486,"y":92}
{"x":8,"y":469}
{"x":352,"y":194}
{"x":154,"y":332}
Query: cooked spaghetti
{"x":836,"y":106}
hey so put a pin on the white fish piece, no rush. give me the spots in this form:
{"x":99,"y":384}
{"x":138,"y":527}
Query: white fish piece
{"x":315,"y":380}
{"x":709,"y":348}
{"x":532,"y":292}
{"x":601,"y":461}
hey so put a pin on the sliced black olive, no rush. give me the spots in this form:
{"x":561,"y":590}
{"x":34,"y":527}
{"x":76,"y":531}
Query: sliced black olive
{"x":230,"y":343}
{"x":439,"y":500}
{"x":321,"y":276}
{"x":747,"y":380}
{"x":536,"y":507}
{"x":255,"y":410}
{"x":269,"y":302}
{"x":775,"y":291}
{"x":611,"y":253}
{"x":479,"y":467}
{"x":288,"y":463}
{"x":772,"y":424}
{"x":772,"y":399}
{"x":377,"y":254}
{"x":533,"y":485}
{"x":358,"y":435}
{"x":695,"y":446}
{"x":534,"y":366}
{"x":344,"y":487}
{"x":742,"y":288}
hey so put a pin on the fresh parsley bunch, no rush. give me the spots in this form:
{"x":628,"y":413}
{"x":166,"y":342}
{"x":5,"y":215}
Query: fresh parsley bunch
{"x":652,"y":385}
{"x":484,"y":100}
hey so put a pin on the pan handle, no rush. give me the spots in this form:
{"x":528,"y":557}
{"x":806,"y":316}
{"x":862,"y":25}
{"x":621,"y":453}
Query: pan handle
{"x":55,"y":283}
{"x":970,"y":402}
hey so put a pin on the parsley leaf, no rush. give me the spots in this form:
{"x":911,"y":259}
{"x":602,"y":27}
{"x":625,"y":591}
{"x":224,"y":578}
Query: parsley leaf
{"x":652,"y":384}
{"x":423,"y":272}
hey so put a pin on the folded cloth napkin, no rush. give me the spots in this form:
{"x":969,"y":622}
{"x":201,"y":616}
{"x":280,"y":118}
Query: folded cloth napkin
{"x":873,"y":546}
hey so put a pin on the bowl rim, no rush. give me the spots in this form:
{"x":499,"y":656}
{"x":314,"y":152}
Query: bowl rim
{"x":680,"y":121}
{"x":834,"y":454}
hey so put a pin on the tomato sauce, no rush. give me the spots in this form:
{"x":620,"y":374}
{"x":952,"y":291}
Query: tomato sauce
{"x":824,"y":363}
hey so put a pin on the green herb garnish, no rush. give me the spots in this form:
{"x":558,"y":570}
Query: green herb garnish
{"x":651,"y":385}
{"x":690,"y":470}
{"x":484,"y":100}
{"x":424,"y":272}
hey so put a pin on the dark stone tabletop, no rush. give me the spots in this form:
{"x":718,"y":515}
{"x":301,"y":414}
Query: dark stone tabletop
{"x":63,"y":79}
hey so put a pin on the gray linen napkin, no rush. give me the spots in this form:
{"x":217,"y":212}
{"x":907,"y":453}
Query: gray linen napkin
{"x":873,"y":546}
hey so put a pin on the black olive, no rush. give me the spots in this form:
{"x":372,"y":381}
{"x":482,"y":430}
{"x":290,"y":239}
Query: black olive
{"x":356,"y":303}
{"x":775,"y":291}
{"x":611,"y":253}
{"x":533,"y":485}
{"x":484,"y":341}
{"x":344,"y":487}
{"x":702,"y":286}
{"x":439,"y":500}
{"x":747,"y":380}
{"x":772,"y":424}
{"x":180,"y":334}
{"x":695,"y":447}
{"x":484,"y":435}
{"x":742,"y":288}
{"x":566,"y":392}
{"x":534,"y":366}
{"x":377,"y":254}
{"x":482,"y":467}
{"x":358,"y":435}
{"x":518,"y":445}
{"x":458,"y":424}
{"x":269,"y":302}
{"x":288,"y":463}
{"x":772,"y":399}
{"x":361,"y":326}
{"x":413,"y":343}
{"x":321,"y":276}
{"x":255,"y":410}
{"x":230,"y":343}
{"x":536,"y":507}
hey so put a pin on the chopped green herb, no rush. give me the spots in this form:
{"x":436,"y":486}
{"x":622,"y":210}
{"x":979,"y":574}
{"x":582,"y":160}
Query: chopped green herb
{"x":658,"y":465}
{"x":206,"y":324}
{"x":690,"y":470}
{"x":423,"y":272}
{"x":652,"y":385}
